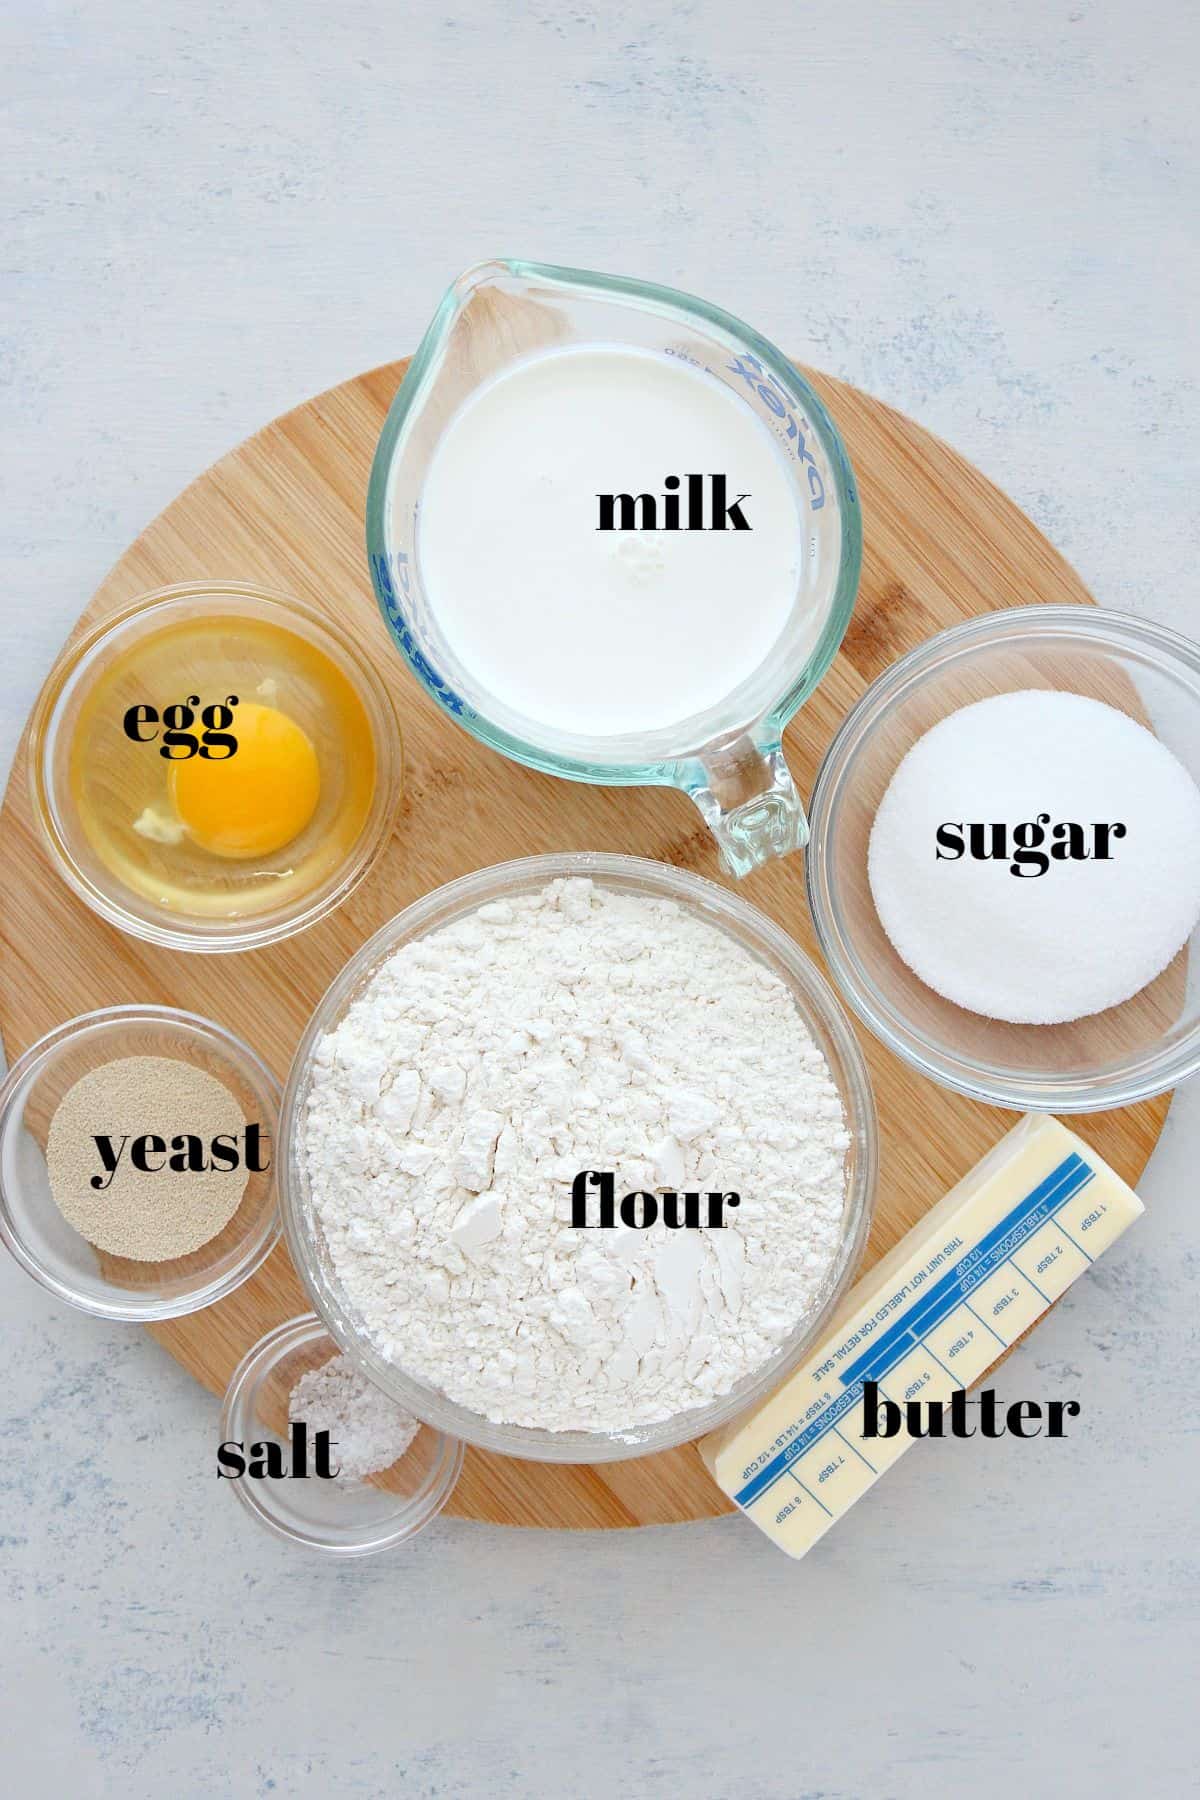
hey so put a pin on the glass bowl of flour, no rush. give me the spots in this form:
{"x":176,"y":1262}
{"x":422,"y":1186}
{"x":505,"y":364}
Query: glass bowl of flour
{"x":576,"y":1156}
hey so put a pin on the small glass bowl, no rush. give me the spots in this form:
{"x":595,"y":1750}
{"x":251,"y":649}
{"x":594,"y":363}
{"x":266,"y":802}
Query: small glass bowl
{"x":1113,"y":1058}
{"x":345,"y":1518}
{"x":37,"y":1234}
{"x":818,"y":1006}
{"x":50,"y":738}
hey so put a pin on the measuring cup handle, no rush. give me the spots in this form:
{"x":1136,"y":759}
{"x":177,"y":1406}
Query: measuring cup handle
{"x":748,"y":800}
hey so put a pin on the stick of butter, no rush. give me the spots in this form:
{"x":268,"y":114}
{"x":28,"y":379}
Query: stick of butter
{"x":932,"y":1316}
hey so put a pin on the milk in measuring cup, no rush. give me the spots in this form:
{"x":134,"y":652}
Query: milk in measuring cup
{"x":631,"y":626}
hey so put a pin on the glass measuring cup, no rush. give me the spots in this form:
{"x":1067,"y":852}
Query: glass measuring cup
{"x":729,"y":758}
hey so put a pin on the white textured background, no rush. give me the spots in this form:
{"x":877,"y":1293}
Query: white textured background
{"x":987,"y":214}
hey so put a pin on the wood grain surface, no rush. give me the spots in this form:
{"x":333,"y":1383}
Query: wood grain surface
{"x":285,"y":510}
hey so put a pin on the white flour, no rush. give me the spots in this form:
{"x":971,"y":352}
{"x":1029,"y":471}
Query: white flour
{"x":485,"y":1066}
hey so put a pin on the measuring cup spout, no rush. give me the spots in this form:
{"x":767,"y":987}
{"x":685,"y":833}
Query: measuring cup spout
{"x":748,"y":800}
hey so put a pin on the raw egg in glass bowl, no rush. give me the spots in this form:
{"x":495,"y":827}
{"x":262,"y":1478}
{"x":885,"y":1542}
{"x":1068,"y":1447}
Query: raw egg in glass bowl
{"x":216,"y":767}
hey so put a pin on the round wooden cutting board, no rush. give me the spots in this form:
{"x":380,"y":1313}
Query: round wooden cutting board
{"x":285,"y":510}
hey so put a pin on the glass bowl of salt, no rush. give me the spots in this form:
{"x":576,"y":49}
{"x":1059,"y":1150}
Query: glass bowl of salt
{"x":321,"y":1456}
{"x":1004,"y":869}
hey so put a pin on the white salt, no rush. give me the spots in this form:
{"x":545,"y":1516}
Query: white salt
{"x":1041,"y":946}
{"x":367,"y":1431}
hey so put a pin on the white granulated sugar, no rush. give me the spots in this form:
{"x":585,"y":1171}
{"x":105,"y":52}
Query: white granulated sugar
{"x":1081,"y":936}
{"x":367,"y":1431}
{"x":483,"y":1067}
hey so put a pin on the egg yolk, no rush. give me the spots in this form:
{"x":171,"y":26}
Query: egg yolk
{"x":256,"y":800}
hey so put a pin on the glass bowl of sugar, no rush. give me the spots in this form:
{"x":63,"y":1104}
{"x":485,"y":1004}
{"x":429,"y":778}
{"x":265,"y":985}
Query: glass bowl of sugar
{"x":1004,"y":869}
